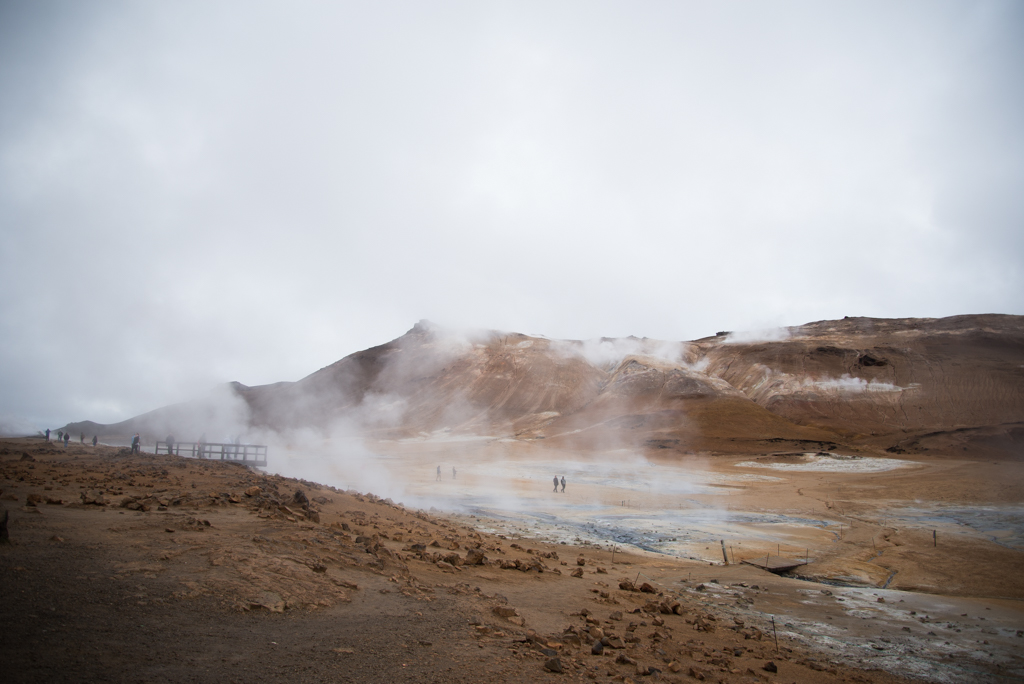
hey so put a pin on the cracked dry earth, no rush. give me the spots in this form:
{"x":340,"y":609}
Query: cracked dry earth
{"x":142,"y":568}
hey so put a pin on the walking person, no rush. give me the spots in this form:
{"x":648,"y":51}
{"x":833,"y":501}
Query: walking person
{"x":135,"y":443}
{"x":438,"y":478}
{"x":47,"y":434}
{"x":563,"y":484}
{"x":453,"y":472}
{"x":67,"y":436}
{"x":556,"y":483}
{"x":94,"y":440}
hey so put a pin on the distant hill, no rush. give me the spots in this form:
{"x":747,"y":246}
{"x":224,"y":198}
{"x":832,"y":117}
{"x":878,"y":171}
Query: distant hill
{"x":904,"y":385}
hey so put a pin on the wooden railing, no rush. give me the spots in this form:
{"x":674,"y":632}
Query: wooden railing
{"x":249,"y":454}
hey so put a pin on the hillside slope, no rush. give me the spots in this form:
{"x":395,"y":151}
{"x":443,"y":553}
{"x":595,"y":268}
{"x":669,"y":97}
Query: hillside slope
{"x":899,"y":384}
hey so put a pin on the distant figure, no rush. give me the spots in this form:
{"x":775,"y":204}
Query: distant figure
{"x":453,"y":472}
{"x":67,"y":436}
{"x":60,"y":435}
{"x":135,"y":443}
{"x":81,"y":438}
{"x":94,"y":440}
{"x":438,"y":474}
{"x":563,"y":484}
{"x":556,"y":483}
{"x":47,"y":434}
{"x":202,"y":446}
{"x":170,"y":444}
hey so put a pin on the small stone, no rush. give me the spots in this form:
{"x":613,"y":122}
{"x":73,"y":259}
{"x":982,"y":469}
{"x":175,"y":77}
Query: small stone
{"x":597,"y":648}
{"x":770,"y":666}
{"x":553,"y":665}
{"x":881,"y":599}
{"x":475,"y":557}
{"x":578,"y":572}
{"x":596,"y":632}
{"x":648,"y":589}
{"x":254,"y":491}
{"x":581,"y":561}
{"x":33,"y":499}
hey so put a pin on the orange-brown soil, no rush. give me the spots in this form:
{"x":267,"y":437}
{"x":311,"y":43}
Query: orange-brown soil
{"x":149,"y":568}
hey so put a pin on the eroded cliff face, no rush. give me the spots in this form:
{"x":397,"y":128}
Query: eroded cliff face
{"x":861,"y":383}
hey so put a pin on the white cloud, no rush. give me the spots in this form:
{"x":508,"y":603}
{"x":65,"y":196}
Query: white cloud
{"x":192,"y":193}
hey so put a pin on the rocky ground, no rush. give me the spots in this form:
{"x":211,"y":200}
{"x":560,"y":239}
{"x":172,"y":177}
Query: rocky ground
{"x":142,"y":568}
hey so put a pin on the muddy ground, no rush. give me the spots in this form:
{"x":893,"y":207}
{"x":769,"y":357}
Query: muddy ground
{"x":142,"y":568}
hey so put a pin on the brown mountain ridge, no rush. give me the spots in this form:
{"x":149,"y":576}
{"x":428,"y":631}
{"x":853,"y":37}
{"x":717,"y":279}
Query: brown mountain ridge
{"x":865,"y":384}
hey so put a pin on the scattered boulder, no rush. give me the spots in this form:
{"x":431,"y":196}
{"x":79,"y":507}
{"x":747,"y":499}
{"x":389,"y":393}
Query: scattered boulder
{"x":505,"y":611}
{"x":648,"y":589}
{"x":581,"y":561}
{"x":300,"y":498}
{"x":597,"y":648}
{"x":770,"y":666}
{"x":253,"y":491}
{"x":475,"y":557}
{"x":553,"y":665}
{"x":578,"y":572}
{"x":33,"y":500}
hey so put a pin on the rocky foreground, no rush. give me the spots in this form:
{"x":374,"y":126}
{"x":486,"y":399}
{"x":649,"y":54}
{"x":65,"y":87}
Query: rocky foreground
{"x":142,"y":568}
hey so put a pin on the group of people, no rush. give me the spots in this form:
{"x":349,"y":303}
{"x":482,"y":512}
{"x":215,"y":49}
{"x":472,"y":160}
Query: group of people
{"x":66,"y":437}
{"x":555,"y":480}
{"x":438,"y":478}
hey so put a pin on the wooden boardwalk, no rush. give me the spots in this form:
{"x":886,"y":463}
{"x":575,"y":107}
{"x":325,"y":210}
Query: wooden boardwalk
{"x":246,"y":454}
{"x":775,"y":563}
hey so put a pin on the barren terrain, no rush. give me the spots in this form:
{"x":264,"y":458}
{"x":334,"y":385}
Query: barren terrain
{"x":158,"y":568}
{"x":881,"y":459}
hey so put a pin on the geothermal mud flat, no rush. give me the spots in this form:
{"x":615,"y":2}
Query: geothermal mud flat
{"x":918,"y":559}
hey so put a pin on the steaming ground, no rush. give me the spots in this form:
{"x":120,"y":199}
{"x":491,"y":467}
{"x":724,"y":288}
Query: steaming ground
{"x":840,"y":511}
{"x":864,"y":523}
{"x":882,"y":597}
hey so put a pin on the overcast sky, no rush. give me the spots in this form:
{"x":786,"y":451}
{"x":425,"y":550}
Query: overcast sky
{"x":198,"y":192}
